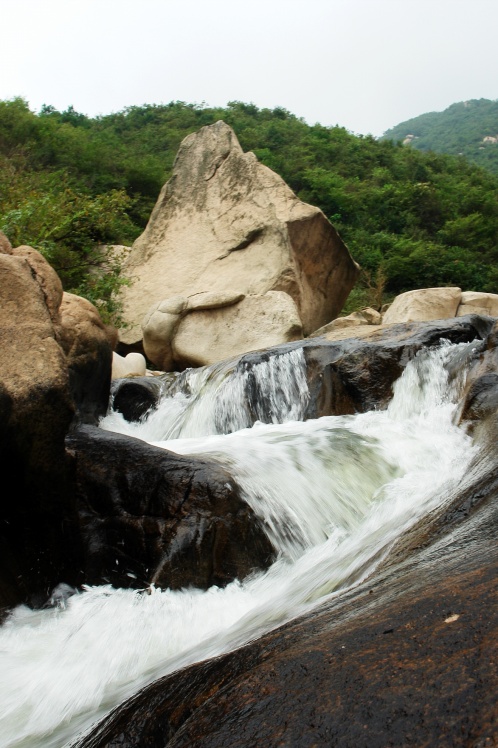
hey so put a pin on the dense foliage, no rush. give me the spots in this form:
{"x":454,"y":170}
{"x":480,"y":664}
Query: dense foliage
{"x":467,"y":129}
{"x":70,"y":183}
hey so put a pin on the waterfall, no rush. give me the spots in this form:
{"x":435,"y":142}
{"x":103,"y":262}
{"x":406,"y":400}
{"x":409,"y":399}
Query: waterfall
{"x":223,"y":398}
{"x":333,"y":493}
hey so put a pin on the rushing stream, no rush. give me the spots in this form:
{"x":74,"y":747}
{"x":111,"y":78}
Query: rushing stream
{"x":334,"y":493}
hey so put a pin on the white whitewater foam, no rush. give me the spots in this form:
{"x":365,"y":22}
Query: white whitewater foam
{"x":333,"y":493}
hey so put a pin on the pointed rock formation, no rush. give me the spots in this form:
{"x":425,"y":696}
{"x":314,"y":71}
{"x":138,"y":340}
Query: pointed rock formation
{"x":226,"y":224}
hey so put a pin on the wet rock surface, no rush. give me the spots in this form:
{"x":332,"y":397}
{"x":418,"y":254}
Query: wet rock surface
{"x":344,"y":377}
{"x":149,"y":516}
{"x":408,"y":657}
{"x":357,"y":375}
{"x":134,"y":398}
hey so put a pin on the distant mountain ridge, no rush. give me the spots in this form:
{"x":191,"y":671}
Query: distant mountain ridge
{"x":468,"y":128}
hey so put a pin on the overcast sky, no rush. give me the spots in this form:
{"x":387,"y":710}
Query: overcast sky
{"x":365,"y":65}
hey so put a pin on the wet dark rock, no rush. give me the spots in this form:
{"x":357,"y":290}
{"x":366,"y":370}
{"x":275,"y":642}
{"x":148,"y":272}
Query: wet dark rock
{"x":481,"y":395}
{"x":482,"y":398}
{"x":344,"y":377}
{"x":134,"y":398}
{"x":149,"y":516}
{"x":357,"y":375}
{"x":408,"y":657}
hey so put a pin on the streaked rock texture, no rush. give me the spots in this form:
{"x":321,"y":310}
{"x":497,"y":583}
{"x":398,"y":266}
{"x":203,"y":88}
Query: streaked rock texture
{"x":224,"y":223}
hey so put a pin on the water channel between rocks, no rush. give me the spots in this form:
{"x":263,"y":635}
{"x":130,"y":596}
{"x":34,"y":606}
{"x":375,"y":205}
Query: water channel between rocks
{"x":333,"y":493}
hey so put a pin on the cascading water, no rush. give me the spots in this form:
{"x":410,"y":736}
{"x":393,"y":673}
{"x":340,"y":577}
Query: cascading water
{"x":333,"y":493}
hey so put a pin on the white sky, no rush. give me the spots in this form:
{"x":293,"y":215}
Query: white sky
{"x":365,"y":65}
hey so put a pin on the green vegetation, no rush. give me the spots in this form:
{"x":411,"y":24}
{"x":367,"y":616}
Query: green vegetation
{"x":464,"y":129}
{"x":70,"y":184}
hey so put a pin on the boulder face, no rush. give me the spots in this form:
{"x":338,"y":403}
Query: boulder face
{"x":149,"y":516}
{"x":88,"y":344}
{"x":56,"y":370}
{"x":210,"y":335}
{"x":37,"y":538}
{"x":424,"y":304}
{"x":475,"y":302}
{"x":226,"y":224}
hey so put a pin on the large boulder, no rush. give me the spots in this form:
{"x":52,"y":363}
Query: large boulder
{"x":82,"y":499}
{"x":209,"y":335}
{"x":55,"y":370}
{"x":149,"y":516}
{"x":88,"y":345}
{"x":423,"y":304}
{"x":37,"y":542}
{"x":477,"y":302}
{"x":226,"y":223}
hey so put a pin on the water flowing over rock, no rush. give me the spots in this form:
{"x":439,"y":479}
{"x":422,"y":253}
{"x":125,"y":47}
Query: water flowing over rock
{"x":302,"y":380}
{"x":407,"y":657}
{"x":404,"y":654}
{"x":228,"y":227}
{"x":308,"y":532}
{"x":150,"y":517}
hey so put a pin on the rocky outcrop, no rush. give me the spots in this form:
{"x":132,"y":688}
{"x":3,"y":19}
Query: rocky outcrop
{"x":476,"y":302}
{"x":407,"y":656}
{"x":149,"y":516}
{"x":357,"y":375}
{"x":55,"y":370}
{"x":346,"y":376}
{"x":38,"y":528}
{"x":226,"y":224}
{"x":82,"y":499}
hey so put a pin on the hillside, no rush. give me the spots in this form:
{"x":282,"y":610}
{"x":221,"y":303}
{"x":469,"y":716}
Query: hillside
{"x":469,"y":129}
{"x":70,"y":183}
